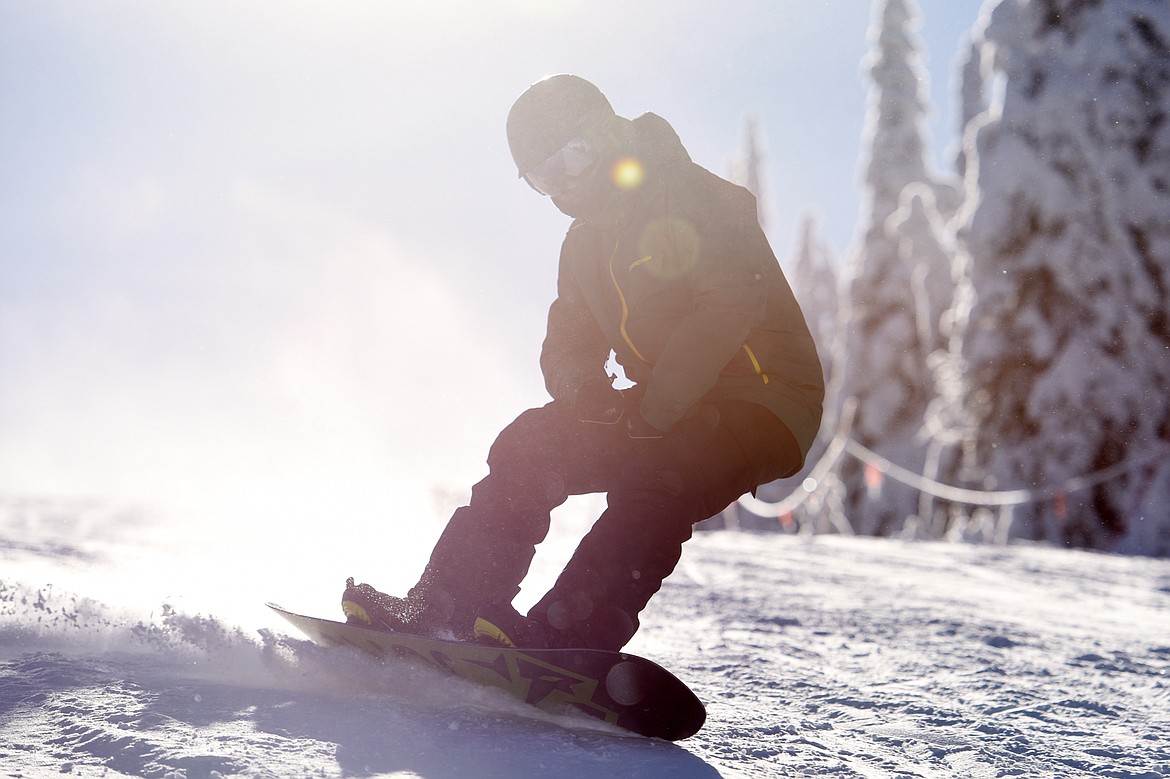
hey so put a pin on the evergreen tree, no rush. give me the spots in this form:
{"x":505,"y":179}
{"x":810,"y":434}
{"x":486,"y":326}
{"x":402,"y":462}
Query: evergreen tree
{"x":814,"y":282}
{"x":1067,"y":353}
{"x":920,"y":235}
{"x":747,"y":169}
{"x":886,"y":366}
{"x":972,"y":95}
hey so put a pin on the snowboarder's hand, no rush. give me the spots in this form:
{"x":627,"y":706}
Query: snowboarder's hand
{"x":597,"y":401}
{"x":641,"y":430}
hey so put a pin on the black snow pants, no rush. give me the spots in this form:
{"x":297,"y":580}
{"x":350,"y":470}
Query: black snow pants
{"x":657,"y":489}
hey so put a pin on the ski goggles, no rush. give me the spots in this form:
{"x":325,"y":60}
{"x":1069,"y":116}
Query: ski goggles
{"x":556,"y":175}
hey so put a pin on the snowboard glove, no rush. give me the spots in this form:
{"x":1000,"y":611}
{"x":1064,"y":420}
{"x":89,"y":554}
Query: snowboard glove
{"x":597,"y":401}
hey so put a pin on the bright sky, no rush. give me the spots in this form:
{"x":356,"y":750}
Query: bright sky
{"x":267,"y":259}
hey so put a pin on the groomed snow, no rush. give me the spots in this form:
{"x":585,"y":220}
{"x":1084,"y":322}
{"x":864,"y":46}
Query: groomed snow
{"x":816,"y":657}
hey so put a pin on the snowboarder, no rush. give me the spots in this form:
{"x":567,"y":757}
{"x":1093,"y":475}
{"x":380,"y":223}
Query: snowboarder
{"x":666,"y":265}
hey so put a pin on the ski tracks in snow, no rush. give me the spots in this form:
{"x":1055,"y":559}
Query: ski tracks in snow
{"x":863,"y":658}
{"x":829,"y":657}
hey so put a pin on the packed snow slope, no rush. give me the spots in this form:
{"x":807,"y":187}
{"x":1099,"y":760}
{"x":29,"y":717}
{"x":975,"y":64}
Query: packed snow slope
{"x":816,"y":657}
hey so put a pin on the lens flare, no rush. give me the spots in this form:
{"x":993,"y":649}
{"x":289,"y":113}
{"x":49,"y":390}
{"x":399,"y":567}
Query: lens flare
{"x":628,"y":173}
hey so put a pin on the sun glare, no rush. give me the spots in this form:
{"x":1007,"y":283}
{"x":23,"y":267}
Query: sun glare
{"x":628,"y":173}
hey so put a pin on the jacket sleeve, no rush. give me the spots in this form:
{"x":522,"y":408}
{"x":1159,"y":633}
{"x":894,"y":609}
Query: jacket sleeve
{"x":575,"y":349}
{"x":729,"y":285}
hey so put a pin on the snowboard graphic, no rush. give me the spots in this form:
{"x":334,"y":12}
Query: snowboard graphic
{"x":621,"y":689}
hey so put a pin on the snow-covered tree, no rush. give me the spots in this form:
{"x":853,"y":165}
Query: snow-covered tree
{"x":1067,"y":352}
{"x":886,"y":366}
{"x":747,"y":169}
{"x":972,"y":94}
{"x":815,"y":283}
{"x":920,"y":236}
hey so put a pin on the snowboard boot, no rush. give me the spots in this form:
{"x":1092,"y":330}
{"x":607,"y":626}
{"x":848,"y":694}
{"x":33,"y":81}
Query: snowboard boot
{"x":415,"y":614}
{"x":500,"y":624}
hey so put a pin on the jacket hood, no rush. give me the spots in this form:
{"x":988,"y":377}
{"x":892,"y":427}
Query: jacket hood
{"x":656,"y":143}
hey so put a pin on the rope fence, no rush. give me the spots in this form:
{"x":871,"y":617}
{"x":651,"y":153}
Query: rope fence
{"x":842,"y":444}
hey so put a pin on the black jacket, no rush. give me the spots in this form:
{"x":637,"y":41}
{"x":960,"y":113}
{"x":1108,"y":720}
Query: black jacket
{"x":680,"y":281}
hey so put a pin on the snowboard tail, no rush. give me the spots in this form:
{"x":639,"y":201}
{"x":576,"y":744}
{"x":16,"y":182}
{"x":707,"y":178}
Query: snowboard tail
{"x":619,"y":688}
